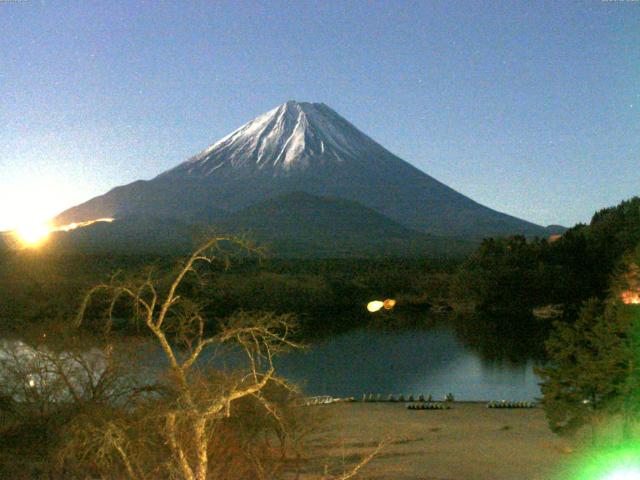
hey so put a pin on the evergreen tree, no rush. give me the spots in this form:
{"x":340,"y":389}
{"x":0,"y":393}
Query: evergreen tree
{"x":589,"y":369}
{"x":594,"y":363}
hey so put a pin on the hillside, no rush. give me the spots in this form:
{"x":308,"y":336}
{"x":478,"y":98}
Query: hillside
{"x":292,"y":225}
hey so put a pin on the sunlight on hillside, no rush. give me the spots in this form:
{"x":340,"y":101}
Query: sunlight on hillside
{"x":73,"y":226}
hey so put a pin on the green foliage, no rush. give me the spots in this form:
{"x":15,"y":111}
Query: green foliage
{"x":327,"y":295}
{"x":594,"y":363}
{"x":96,"y":408}
{"x":588,"y":368}
{"x":37,"y":287}
{"x":515,"y":274}
{"x":504,"y":275}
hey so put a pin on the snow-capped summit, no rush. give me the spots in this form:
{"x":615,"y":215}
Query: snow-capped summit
{"x":301,"y":147}
{"x":292,"y":136}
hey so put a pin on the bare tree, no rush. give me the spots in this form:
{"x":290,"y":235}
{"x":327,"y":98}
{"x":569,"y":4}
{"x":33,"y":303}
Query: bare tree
{"x":199,"y":399}
{"x":107,"y":415}
{"x":49,"y":379}
{"x":191,"y":420}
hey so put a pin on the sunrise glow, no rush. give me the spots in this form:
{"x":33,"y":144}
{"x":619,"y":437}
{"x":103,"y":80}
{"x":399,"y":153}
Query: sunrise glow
{"x":35,"y":234}
{"x":32,"y":234}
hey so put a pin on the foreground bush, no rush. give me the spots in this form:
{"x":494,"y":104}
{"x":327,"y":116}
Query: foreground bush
{"x":158,"y":406}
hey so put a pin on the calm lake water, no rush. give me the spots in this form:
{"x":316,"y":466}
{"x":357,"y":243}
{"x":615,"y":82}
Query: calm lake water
{"x":409,"y":362}
{"x":428,"y":362}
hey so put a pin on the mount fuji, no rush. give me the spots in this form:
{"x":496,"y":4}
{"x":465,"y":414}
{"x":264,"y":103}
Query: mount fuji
{"x":306,"y":148}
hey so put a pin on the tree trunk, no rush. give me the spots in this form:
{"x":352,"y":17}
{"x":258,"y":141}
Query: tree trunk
{"x":201,"y":448}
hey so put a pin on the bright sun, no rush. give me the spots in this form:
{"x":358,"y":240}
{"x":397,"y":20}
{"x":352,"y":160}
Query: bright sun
{"x":33,"y":234}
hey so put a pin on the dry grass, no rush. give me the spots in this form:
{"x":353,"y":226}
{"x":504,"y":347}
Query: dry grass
{"x":467,"y":442}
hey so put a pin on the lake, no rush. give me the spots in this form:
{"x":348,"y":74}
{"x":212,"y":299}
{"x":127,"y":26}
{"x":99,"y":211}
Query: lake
{"x":412,"y":362}
{"x":408,"y":362}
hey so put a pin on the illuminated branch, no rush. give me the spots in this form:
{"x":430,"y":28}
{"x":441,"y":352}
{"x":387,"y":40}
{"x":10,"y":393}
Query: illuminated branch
{"x":193,"y":404}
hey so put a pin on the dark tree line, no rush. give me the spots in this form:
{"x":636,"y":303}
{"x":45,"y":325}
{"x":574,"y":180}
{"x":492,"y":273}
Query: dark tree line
{"x":326,"y":295}
{"x":514,"y":274}
{"x":593,"y":369}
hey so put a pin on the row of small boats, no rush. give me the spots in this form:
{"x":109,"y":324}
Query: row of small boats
{"x":428,"y":406}
{"x":446,"y":405}
{"x":370,"y":397}
{"x":413,"y":403}
{"x":506,"y":404}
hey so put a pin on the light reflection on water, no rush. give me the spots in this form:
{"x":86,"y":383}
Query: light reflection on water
{"x":410,"y":362}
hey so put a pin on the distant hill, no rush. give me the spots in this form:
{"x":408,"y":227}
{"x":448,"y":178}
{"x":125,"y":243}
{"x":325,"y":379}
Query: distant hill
{"x":297,"y":224}
{"x":300,"y":224}
{"x":134,"y":234}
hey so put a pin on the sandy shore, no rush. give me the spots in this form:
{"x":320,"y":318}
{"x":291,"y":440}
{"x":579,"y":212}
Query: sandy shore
{"x":467,"y":442}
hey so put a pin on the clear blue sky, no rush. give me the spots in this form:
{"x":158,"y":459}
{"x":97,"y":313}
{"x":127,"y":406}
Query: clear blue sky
{"x":532,"y":108}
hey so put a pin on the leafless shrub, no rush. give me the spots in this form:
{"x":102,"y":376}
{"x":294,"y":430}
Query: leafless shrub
{"x":187,"y":418}
{"x":200,"y":409}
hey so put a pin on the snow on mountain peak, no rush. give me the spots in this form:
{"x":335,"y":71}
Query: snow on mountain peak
{"x":292,"y":136}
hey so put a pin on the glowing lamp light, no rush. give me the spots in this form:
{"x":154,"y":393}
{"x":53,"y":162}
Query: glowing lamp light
{"x":630,"y":298}
{"x":388,"y":304}
{"x":377,"y":305}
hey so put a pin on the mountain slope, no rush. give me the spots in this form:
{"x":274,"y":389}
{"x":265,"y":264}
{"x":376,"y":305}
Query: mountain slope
{"x":300,"y":224}
{"x":293,"y":225}
{"x":302,"y":147}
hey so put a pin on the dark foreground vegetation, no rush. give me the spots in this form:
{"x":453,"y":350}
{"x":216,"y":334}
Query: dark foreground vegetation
{"x":515,"y":275}
{"x":76,"y":398}
{"x":326,"y":295}
{"x":86,"y":399}
{"x":518,"y":287}
{"x":502,"y":282}
{"x":581,"y":292}
{"x":510,"y":288}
